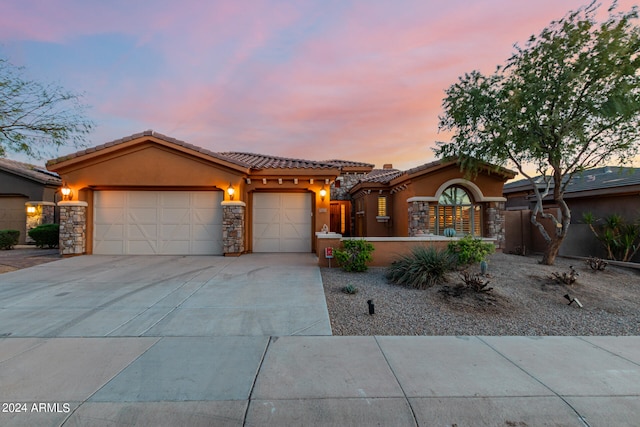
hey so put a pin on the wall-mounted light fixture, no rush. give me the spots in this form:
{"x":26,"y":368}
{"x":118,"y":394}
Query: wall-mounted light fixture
{"x":230,"y":191}
{"x":323,"y":193}
{"x":67,"y":194}
{"x":31,"y":210}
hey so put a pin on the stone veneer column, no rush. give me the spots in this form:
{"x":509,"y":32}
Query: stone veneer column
{"x":233,"y":226}
{"x":495,"y":222}
{"x":418,"y":217}
{"x":73,"y":227}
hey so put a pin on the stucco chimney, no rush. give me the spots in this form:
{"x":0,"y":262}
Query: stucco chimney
{"x":387,"y":166}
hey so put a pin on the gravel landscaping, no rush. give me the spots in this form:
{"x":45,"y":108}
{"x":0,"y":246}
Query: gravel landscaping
{"x":525,"y":300}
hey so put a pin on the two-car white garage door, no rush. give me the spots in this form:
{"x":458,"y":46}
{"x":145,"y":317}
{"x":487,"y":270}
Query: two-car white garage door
{"x":157,"y":222}
{"x":190,"y":222}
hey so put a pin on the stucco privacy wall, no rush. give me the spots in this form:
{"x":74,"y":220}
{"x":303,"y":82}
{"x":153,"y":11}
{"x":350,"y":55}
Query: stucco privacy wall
{"x":387,"y":249}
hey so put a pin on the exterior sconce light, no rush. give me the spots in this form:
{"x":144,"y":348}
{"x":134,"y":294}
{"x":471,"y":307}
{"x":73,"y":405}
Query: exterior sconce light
{"x":323,"y":193}
{"x":230,"y":191}
{"x":31,"y":210}
{"x":67,"y":194}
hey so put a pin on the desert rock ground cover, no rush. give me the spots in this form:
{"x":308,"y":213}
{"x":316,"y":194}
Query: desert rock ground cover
{"x":525,"y":300}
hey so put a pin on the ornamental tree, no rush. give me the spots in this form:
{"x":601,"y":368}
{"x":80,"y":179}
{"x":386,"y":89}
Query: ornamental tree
{"x":36,"y":117}
{"x":567,"y":101}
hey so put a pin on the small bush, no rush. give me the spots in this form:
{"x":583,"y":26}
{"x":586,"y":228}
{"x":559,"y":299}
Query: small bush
{"x":470,"y":250}
{"x":354,"y":255}
{"x":9,"y":238}
{"x":422,"y":268}
{"x":46,"y":235}
{"x":596,"y":264}
{"x":475,"y":282}
{"x":565,"y":278}
{"x":350,"y":289}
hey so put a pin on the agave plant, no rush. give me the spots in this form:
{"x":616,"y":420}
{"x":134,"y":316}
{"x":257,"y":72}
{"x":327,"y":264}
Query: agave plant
{"x":422,"y":268}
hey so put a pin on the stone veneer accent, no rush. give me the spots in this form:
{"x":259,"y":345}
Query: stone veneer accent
{"x":418,"y":218}
{"x":495,"y":220}
{"x":349,"y":180}
{"x":233,"y":226}
{"x":45,"y":214}
{"x":73,"y":227}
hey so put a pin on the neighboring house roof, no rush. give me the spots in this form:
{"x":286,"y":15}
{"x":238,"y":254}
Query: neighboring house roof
{"x":612,"y":178}
{"x":32,"y":172}
{"x":261,"y":161}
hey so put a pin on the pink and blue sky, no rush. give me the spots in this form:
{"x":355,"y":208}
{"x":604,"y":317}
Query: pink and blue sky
{"x":353,"y":79}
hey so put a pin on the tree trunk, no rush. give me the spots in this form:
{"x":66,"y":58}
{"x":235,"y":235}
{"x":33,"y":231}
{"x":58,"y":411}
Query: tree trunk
{"x":551,"y":251}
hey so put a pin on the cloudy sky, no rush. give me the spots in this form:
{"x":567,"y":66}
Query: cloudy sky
{"x":353,"y":79}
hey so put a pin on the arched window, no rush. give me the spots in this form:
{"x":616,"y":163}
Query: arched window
{"x":456,"y":210}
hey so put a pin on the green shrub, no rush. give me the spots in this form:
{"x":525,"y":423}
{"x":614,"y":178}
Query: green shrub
{"x":621,"y":239}
{"x":45,"y":235}
{"x":470,"y":250}
{"x":354,"y":255}
{"x":9,"y":238}
{"x":350,"y":289}
{"x":422,"y":268}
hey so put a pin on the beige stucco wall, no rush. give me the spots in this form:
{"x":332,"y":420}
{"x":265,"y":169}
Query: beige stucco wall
{"x":149,"y":163}
{"x":422,"y":184}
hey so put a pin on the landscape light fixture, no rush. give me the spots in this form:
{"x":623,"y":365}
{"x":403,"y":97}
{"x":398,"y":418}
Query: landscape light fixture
{"x":230,"y":191}
{"x":67,"y":194}
{"x":323,"y":193}
{"x":572,"y":300}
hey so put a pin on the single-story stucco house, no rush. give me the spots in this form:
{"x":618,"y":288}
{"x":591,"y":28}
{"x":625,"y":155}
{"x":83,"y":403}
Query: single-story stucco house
{"x":28,"y":196}
{"x":152,"y":194}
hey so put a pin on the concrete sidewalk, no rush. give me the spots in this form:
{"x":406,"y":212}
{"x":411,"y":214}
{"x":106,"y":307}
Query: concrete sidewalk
{"x":429,"y":381}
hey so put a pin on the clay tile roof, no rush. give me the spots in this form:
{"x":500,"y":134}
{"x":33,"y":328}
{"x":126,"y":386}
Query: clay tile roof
{"x":347,"y":163}
{"x":261,"y":161}
{"x":425,"y":166}
{"x":26,"y":170}
{"x":143,"y":134}
{"x":382,"y":176}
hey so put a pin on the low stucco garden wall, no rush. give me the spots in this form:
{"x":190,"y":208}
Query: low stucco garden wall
{"x":387,"y":249}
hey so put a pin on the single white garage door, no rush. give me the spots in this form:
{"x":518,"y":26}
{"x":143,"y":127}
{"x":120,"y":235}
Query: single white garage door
{"x":282,"y":222}
{"x":157,"y":223}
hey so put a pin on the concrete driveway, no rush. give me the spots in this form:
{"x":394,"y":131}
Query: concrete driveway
{"x":157,"y":296}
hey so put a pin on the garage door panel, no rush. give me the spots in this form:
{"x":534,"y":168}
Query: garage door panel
{"x":146,"y":214}
{"x":296,"y":217}
{"x":141,"y":231}
{"x":175,"y":216}
{"x":176,"y":199}
{"x":110,"y":247}
{"x":141,"y":247}
{"x":157,"y":222}
{"x":282,"y":222}
{"x":109,"y":216}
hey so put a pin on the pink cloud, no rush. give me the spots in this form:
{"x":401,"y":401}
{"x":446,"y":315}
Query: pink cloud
{"x":363,"y":80}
